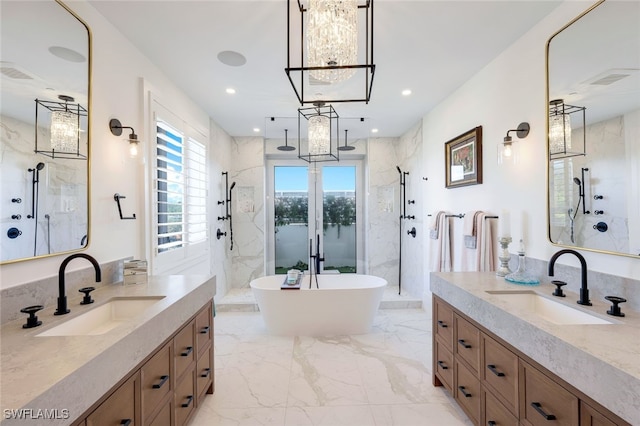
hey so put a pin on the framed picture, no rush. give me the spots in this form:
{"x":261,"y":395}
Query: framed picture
{"x":463,"y":159}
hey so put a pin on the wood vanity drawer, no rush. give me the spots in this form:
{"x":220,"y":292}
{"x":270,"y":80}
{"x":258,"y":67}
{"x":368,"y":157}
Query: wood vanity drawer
{"x":163,"y":418}
{"x":185,"y":398}
{"x":156,"y":380}
{"x":544,"y":400}
{"x":204,"y":329}
{"x":467,"y":392}
{"x":184,"y":352}
{"x":495,"y":413}
{"x":500,"y":372}
{"x":443,"y":323}
{"x":119,"y":407}
{"x":443,"y":365}
{"x":589,"y":416}
{"x":204,"y":373}
{"x":467,"y":345}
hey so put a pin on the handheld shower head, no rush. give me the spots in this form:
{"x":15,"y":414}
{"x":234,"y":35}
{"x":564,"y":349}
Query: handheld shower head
{"x":232,"y":185}
{"x":398,"y":168}
{"x":577,"y":181}
{"x":40,"y":166}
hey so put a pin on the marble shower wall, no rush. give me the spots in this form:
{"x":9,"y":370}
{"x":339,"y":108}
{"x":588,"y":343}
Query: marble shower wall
{"x":247,"y":210}
{"x":383,"y":209}
{"x":410,"y":153}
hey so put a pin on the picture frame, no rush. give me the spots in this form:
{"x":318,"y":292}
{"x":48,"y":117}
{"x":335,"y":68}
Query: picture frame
{"x":463,"y":159}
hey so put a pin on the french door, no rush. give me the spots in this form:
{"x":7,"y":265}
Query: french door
{"x":310,"y":207}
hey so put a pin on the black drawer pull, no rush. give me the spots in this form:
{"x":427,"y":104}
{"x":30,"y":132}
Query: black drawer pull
{"x":189,"y":401}
{"x":491,"y":423}
{"x":443,"y":365}
{"x":464,"y":392}
{"x":188,"y":351}
{"x":163,"y":380}
{"x":442,"y":324}
{"x":206,"y":373}
{"x":125,"y":422}
{"x":464,"y":344}
{"x":204,"y":330}
{"x":538,"y":408}
{"x":494,"y":370}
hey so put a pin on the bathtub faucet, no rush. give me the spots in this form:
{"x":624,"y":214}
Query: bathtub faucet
{"x":316,"y":259}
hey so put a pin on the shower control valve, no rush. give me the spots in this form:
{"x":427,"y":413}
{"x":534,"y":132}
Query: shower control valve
{"x":598,"y":197}
{"x":598,"y":212}
{"x":16,"y":216}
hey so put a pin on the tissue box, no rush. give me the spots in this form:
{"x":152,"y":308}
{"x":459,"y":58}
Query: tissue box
{"x":135,"y":272}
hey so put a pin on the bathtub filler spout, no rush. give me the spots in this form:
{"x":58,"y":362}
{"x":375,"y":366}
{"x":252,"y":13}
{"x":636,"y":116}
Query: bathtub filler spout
{"x":314,"y":260}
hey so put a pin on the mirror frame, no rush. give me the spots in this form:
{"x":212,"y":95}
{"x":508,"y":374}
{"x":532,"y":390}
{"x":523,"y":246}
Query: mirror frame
{"x":548,"y":155}
{"x":89,"y":99}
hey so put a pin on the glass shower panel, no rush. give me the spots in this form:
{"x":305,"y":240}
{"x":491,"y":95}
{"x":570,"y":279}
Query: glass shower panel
{"x":339,"y":218}
{"x":291,"y":208}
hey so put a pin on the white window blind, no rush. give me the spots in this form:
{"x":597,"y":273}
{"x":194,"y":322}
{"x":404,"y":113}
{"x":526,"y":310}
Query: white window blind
{"x":181,"y":177}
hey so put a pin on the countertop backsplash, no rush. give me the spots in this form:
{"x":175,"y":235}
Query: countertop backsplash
{"x":45,"y":291}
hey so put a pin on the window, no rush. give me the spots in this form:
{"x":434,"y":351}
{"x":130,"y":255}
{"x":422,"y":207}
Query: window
{"x":180,"y":206}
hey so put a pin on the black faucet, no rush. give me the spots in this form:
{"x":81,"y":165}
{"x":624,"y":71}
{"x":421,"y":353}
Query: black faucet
{"x":62,"y":298}
{"x":584,"y":291}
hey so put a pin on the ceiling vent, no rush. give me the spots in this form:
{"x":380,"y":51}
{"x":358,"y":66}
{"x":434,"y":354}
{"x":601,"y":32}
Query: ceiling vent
{"x":13,"y":71}
{"x":611,"y":76}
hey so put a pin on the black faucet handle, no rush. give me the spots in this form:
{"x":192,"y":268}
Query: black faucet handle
{"x":558,"y":291}
{"x":86,"y":299}
{"x":32,"y":321}
{"x":615,"y":309}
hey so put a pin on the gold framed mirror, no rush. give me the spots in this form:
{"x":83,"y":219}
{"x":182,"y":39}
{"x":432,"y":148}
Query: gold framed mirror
{"x":593,"y":149}
{"x":44,"y":115}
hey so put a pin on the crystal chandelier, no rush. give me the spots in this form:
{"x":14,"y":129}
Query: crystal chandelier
{"x":332,"y":38}
{"x":64,"y":131}
{"x":560,"y":130}
{"x":321,"y":122}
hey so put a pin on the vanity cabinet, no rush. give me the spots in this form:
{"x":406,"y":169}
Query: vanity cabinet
{"x":497,"y":385}
{"x":167,"y":387}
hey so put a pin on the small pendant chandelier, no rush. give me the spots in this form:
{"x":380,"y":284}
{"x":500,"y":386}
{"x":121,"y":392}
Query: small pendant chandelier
{"x":64,"y":128}
{"x":560,"y":130}
{"x":321,"y":125}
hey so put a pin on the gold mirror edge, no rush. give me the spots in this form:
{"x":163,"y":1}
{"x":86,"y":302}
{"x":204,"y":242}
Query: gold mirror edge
{"x":616,"y":253}
{"x":89,"y":108}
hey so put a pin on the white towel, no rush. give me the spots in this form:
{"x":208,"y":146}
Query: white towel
{"x":440,"y":248}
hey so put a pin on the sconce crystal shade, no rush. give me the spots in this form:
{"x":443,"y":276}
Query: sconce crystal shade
{"x":64,"y":131}
{"x":562,"y":127}
{"x":332,"y":38}
{"x":320,"y":126}
{"x":65,"y":128}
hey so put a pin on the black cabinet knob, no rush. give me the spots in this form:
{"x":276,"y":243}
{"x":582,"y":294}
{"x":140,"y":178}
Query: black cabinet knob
{"x":32,"y":321}
{"x":86,"y":300}
{"x":615,"y":309}
{"x":558,"y":291}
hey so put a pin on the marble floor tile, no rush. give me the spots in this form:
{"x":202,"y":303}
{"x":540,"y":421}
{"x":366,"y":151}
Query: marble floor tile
{"x":379,"y":378}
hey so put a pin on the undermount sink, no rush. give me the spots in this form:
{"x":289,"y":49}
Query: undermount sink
{"x":546,"y":308}
{"x":103,"y":318}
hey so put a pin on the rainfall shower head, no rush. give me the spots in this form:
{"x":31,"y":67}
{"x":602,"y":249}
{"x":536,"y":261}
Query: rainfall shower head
{"x":286,"y":146}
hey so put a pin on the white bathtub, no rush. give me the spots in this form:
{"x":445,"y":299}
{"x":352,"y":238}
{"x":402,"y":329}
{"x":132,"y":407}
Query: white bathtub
{"x":344,"y":304}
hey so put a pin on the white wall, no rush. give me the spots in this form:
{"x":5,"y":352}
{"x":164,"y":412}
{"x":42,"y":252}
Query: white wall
{"x":510,"y":90}
{"x":121,"y":74}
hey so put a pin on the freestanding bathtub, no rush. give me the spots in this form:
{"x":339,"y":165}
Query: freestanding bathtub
{"x":344,"y":304}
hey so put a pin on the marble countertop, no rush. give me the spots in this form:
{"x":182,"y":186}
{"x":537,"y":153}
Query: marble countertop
{"x":601,"y":360}
{"x":67,"y":374}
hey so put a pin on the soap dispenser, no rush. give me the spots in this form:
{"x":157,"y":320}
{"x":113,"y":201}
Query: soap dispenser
{"x":521,"y":276}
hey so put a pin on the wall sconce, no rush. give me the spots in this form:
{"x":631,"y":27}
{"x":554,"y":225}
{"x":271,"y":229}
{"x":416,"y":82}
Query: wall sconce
{"x":116,"y":130}
{"x":507,"y":151}
{"x":561,"y":143}
{"x":64,"y":128}
{"x":321,"y":123}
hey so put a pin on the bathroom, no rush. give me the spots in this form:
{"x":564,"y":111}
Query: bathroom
{"x":507,"y":91}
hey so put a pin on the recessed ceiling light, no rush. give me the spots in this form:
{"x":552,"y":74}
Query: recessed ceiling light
{"x":231,"y":58}
{"x":374,"y":130}
{"x":230,"y":90}
{"x":406,"y":92}
{"x":255,"y":129}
